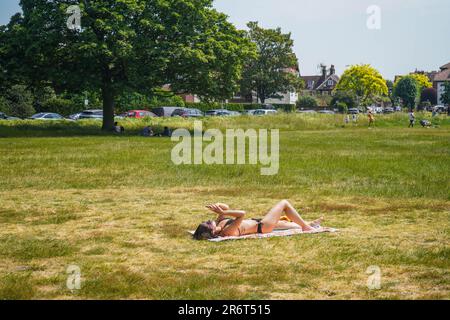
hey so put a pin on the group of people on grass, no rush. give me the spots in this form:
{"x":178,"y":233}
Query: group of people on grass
{"x":146,"y":132}
{"x":371,"y":118}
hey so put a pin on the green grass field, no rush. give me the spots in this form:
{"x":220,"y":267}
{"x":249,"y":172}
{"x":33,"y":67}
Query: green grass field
{"x":119,"y":209}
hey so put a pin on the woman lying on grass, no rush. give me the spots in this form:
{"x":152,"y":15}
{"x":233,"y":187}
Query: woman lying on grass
{"x":225,"y":226}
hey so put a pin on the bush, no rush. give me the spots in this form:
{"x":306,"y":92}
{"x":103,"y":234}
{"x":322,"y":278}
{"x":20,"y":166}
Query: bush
{"x":64,"y":107}
{"x":4,"y":106}
{"x":136,"y":101}
{"x":18,"y":102}
{"x":430,"y":95}
{"x":307,"y":102}
{"x":343,"y":97}
{"x":342,"y":107}
{"x":240,"y":107}
{"x":286,"y":107}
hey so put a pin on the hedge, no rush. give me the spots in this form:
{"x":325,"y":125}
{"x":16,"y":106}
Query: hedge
{"x":64,"y":107}
{"x":237,"y":106}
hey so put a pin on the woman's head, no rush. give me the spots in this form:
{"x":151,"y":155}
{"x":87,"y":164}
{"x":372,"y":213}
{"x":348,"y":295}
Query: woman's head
{"x":206,"y":230}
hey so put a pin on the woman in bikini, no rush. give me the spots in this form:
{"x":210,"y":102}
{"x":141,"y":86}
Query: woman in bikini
{"x":233,"y":223}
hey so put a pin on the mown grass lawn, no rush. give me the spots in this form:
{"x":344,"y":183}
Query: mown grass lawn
{"x":119,"y":209}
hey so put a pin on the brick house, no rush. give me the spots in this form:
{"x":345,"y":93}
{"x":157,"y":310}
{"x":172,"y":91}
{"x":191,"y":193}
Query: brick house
{"x":323,"y":84}
{"x":439,"y":79}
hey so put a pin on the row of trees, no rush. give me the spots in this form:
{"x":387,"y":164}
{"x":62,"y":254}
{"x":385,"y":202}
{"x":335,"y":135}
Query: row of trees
{"x":135,"y":47}
{"x":362,"y":85}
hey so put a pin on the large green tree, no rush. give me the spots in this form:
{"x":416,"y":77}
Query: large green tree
{"x":343,"y":97}
{"x":364,"y":82}
{"x":125,"y":45}
{"x":407,"y":89}
{"x":422,"y":80}
{"x":17,"y":101}
{"x":272,"y":70}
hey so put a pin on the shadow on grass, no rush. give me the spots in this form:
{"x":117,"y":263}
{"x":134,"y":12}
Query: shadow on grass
{"x":41,"y":129}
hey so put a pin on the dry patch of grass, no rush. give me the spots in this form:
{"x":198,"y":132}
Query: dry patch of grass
{"x":119,"y":209}
{"x":138,"y":247}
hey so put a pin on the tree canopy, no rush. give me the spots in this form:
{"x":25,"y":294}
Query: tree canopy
{"x":343,"y":97}
{"x":274,"y":69}
{"x":422,"y":81}
{"x":430,"y":95}
{"x":407,"y":89}
{"x":307,"y":102}
{"x":137,"y":45}
{"x":364,"y":82}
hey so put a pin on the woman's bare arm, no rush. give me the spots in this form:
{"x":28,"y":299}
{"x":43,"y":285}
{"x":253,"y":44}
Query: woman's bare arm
{"x":233,"y":228}
{"x":224,"y":210}
{"x":237,"y":214}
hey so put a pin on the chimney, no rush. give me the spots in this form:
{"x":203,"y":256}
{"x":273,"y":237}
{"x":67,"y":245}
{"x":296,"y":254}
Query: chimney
{"x":324,"y":70}
{"x":332,"y":70}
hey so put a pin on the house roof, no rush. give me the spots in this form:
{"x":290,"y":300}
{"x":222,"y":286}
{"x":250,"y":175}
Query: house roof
{"x":445,"y":66}
{"x":443,"y":75}
{"x":314,"y":79}
{"x":324,"y":85}
{"x":319,"y":82}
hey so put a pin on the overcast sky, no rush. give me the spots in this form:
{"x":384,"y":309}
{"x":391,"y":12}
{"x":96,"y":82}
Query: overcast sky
{"x":414,"y":33}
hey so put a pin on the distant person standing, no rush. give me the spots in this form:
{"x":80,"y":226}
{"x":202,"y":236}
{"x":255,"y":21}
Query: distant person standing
{"x":412,"y":119}
{"x":371,"y":119}
{"x":355,"y":118}
{"x":347,"y":119}
{"x":434,"y":113}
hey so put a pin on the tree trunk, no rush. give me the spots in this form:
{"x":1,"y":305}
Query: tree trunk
{"x":262,"y":97}
{"x":108,"y":102}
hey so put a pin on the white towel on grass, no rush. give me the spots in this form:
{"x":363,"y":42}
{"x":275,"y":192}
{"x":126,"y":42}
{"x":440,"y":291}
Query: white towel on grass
{"x":275,"y":233}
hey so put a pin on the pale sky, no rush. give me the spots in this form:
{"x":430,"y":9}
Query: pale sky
{"x":414,"y":33}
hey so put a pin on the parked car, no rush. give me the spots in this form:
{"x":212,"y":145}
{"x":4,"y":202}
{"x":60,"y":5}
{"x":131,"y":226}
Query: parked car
{"x":91,"y":114}
{"x":377,"y":109}
{"x":353,"y":111}
{"x":268,"y":106}
{"x":441,"y":109}
{"x":164,"y":111}
{"x":388,"y":110}
{"x":326,"y":112}
{"x":139,"y":114}
{"x":121,"y":116}
{"x":306,"y":111}
{"x":47,"y":116}
{"x":235,"y":113}
{"x":218,"y":113}
{"x":5,"y":117}
{"x":397,"y":108}
{"x":264,"y":112}
{"x":249,"y":112}
{"x":187,"y":113}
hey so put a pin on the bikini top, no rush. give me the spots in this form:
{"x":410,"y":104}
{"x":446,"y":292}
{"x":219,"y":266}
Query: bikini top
{"x":229,"y":222}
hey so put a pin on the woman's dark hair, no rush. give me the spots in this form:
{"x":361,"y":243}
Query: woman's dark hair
{"x":204,"y":231}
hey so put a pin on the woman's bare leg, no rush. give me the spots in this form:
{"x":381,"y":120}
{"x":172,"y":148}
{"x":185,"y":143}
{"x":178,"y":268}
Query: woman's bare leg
{"x":286,"y":225}
{"x":272,"y":218}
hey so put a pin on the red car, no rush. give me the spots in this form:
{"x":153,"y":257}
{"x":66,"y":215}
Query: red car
{"x":139,"y":114}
